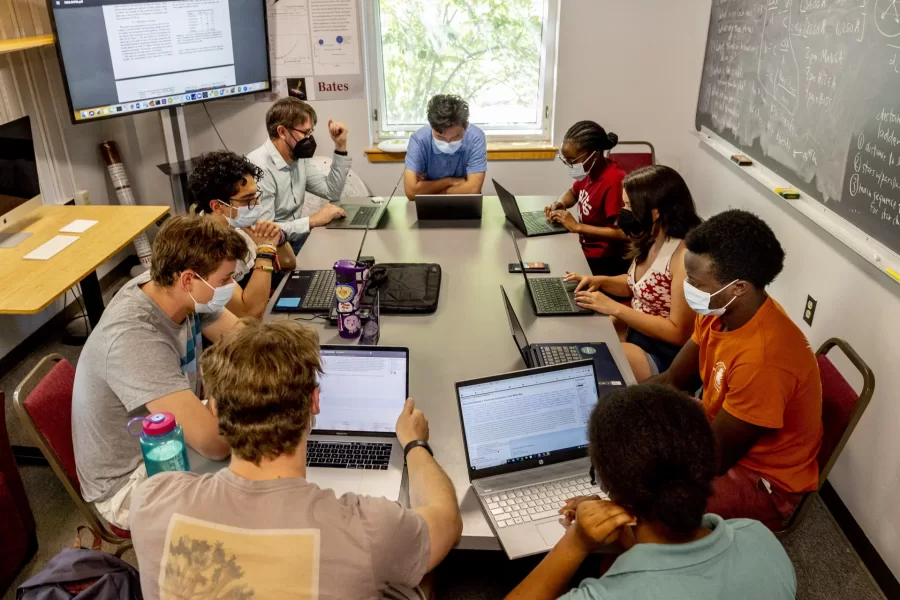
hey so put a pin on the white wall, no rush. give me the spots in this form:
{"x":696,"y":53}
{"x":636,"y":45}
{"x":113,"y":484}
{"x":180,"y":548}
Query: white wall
{"x":634,"y":66}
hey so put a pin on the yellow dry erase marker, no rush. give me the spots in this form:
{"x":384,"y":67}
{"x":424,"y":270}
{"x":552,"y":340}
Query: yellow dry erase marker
{"x":893,"y":273}
{"x":788,"y":193}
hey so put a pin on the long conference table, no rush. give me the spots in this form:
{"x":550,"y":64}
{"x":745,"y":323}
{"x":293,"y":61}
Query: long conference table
{"x":468,"y":336}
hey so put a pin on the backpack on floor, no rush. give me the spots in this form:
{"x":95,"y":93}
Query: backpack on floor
{"x":83,"y":574}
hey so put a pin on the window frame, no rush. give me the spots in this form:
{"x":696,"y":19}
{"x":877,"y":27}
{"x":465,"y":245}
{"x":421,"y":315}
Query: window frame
{"x":377,"y":102}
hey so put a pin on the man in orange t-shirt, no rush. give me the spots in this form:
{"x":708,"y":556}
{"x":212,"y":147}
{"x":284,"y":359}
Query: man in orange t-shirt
{"x":761,"y":386}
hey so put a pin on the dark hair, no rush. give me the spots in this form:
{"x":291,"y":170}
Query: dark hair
{"x":288,"y":112}
{"x":447,"y":110}
{"x":589,"y":136}
{"x":191,"y":242}
{"x":740,"y":246}
{"x":664,"y":189}
{"x":655,"y":454}
{"x":217,"y":176}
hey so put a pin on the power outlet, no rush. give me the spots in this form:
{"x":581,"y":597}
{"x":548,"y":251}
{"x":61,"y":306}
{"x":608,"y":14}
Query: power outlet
{"x":809,"y":311}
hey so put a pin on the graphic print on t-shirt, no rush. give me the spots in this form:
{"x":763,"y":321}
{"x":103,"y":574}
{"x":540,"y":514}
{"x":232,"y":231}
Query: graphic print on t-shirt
{"x":584,"y":204}
{"x":207,"y":560}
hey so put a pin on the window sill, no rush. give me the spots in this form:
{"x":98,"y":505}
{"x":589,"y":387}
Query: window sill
{"x":495,"y":151}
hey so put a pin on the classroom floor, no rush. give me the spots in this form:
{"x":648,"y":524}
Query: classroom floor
{"x":827,"y":567}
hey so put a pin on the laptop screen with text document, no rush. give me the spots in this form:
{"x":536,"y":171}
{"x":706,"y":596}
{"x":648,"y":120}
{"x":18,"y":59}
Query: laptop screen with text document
{"x":527,"y":418}
{"x":362,"y":390}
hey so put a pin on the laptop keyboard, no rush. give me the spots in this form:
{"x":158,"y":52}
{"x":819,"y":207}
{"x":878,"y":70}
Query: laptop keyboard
{"x":363,"y":215}
{"x":550,"y":295}
{"x":533,"y":503}
{"x":557,"y":355}
{"x":321,"y":291}
{"x":348,"y":455}
{"x":536,"y":222}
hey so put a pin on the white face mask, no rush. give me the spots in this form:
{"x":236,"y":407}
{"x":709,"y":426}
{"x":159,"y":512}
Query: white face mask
{"x":447,"y":147}
{"x":246,"y":216}
{"x":577,"y":172}
{"x":221,"y":297}
{"x":699,"y":300}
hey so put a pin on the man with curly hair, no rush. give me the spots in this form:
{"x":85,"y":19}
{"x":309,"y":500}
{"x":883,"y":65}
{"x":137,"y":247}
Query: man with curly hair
{"x":447,"y":156}
{"x":284,"y":158}
{"x":761,"y":386}
{"x":224,"y":189}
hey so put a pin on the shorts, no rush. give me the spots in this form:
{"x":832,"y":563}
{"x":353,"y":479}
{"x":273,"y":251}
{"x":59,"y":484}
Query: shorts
{"x":116,"y":508}
{"x":659,"y":354}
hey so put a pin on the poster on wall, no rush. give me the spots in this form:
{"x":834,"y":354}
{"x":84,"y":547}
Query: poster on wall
{"x":316,"y":49}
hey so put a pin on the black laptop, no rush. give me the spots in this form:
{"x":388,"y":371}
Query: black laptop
{"x":531,"y":223}
{"x":543,"y":355}
{"x":448,"y":207}
{"x":550,"y":296}
{"x":310,"y":291}
{"x":360,"y":215}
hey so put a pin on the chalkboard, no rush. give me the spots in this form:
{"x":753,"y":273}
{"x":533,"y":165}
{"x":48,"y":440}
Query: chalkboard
{"x":811,"y":88}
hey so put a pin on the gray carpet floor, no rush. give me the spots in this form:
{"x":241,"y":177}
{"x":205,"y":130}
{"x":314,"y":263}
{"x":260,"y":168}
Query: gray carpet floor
{"x":827,"y":567}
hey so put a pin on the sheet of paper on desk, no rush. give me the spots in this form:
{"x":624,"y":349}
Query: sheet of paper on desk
{"x":51,"y":248}
{"x":78,"y":226}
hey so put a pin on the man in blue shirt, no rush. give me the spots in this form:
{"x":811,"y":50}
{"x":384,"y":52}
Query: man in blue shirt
{"x":447,"y":156}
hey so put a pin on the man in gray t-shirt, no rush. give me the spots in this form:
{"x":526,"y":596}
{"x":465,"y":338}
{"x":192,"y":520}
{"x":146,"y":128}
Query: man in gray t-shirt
{"x":142,"y":357}
{"x":258,"y":528}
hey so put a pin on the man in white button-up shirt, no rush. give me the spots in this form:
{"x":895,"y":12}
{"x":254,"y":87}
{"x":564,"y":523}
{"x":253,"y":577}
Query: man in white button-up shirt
{"x":288,"y":174}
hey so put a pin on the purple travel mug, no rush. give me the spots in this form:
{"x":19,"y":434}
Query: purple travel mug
{"x":350,"y":283}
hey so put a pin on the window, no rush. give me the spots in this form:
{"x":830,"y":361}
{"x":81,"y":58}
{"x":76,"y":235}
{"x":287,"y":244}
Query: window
{"x":499,"y":55}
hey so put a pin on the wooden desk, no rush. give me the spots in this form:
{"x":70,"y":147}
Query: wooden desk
{"x":29,"y":286}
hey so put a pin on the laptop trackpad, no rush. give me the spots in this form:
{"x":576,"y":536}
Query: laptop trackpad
{"x":552,"y":532}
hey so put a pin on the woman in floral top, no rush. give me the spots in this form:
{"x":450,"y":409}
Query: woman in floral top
{"x":659,"y":212}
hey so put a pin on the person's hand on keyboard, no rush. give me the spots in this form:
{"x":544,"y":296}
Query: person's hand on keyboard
{"x":597,"y":302}
{"x":599,"y":523}
{"x":326,"y":215}
{"x":585,"y":282}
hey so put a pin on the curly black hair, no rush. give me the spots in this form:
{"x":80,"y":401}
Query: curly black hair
{"x":447,"y":110}
{"x":217,"y":176}
{"x":740,"y":246}
{"x":654,"y":452}
{"x":590,"y":136}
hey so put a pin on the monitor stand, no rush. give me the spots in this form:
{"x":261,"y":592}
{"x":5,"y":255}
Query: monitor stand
{"x":11,"y":240}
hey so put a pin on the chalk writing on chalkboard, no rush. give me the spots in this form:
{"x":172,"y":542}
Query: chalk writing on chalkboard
{"x":811,"y":89}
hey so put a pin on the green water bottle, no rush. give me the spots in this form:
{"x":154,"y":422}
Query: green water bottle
{"x":162,"y":443}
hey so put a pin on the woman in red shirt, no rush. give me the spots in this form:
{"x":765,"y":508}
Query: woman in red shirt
{"x":598,"y":192}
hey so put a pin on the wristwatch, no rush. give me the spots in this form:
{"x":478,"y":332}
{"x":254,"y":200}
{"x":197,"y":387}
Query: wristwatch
{"x":416,"y":444}
{"x":340,"y":152}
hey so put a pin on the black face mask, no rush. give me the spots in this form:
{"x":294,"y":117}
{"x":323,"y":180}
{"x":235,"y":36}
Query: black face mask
{"x":629,"y":224}
{"x":305,"y":148}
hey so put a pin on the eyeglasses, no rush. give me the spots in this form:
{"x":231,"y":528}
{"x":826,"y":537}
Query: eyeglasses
{"x":305,"y":134}
{"x":575,"y":160}
{"x":251,"y":201}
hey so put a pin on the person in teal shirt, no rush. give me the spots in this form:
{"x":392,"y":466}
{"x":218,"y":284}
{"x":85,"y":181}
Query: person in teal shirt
{"x":654,"y":453}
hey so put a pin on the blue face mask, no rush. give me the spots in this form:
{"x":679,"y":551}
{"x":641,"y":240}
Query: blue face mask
{"x":447,"y":147}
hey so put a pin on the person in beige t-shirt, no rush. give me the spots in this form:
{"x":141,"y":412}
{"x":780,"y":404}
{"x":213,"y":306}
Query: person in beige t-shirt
{"x":258,"y":529}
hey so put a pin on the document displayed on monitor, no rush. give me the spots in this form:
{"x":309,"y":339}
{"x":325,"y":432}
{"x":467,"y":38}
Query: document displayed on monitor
{"x":149,"y":41}
{"x":361,"y":390}
{"x":534,"y":414}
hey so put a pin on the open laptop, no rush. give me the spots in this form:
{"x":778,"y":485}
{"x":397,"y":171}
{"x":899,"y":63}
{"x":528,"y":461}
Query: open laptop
{"x":531,"y":223}
{"x":360,"y":215}
{"x":541,"y":355}
{"x":353,"y":446}
{"x":525,"y":435}
{"x":448,"y":207}
{"x":550,"y":295}
{"x":310,"y":291}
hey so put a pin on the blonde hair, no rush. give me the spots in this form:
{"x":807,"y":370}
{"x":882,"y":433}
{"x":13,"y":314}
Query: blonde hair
{"x":192,"y":242}
{"x":262,"y":378}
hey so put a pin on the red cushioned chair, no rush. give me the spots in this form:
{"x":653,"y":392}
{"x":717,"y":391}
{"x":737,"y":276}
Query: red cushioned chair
{"x":841,"y":409}
{"x":19,"y":540}
{"x":44,"y":404}
{"x":630,"y":161}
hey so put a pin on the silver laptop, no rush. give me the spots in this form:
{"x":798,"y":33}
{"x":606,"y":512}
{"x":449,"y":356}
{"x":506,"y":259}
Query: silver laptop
{"x":452,"y":207}
{"x":353,"y":446}
{"x":362,"y":213}
{"x":525,"y":435}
